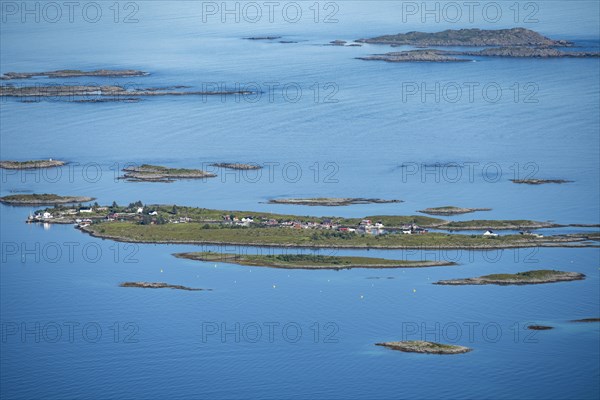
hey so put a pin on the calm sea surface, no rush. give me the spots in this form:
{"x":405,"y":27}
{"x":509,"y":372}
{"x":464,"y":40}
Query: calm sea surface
{"x":327,"y":125}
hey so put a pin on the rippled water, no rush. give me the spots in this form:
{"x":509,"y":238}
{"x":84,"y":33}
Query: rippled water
{"x":354,"y":147}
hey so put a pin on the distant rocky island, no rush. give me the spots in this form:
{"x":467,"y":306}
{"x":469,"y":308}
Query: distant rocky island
{"x":158,"y":285}
{"x":514,"y":43}
{"x":587,"y":320}
{"x":420,"y":346}
{"x":413,"y":56}
{"x":106,"y":90}
{"x":520,"y":278}
{"x":308,"y":261}
{"x":158,"y":173}
{"x":343,"y":43}
{"x":468,"y":37}
{"x":31,"y":164}
{"x":524,"y":51}
{"x":331,"y":201}
{"x":434,"y":55}
{"x":40,"y":199}
{"x":239,"y":166}
{"x":451,"y":210}
{"x":539,"y":181}
{"x":75,"y":73}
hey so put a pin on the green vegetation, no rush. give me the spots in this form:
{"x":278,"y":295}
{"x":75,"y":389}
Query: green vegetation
{"x":496,"y":224}
{"x":524,"y":276}
{"x":307,"y":261}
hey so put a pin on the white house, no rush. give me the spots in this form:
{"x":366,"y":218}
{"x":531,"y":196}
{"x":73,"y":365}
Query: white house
{"x":153,"y":213}
{"x":85,"y":210}
{"x":140,"y":210}
{"x":489,"y":233}
{"x":47,"y":215}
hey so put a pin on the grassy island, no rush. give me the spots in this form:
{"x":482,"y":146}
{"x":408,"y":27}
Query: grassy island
{"x":75,"y":73}
{"x":157,"y":173}
{"x":413,"y":56}
{"x":331,"y":201}
{"x":420,"y":346}
{"x":520,"y":278}
{"x":507,"y":224}
{"x":74,"y":91}
{"x":308,"y":261}
{"x":39,"y":199}
{"x":31,"y":164}
{"x":451,"y":210}
{"x":434,"y":55}
{"x":238,"y":166}
{"x":468,"y":37}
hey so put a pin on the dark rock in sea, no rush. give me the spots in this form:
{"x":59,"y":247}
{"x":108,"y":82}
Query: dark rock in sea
{"x":158,"y":285}
{"x":263,"y":38}
{"x":539,"y":327}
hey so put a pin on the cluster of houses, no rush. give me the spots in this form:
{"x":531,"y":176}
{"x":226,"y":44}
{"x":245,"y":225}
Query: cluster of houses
{"x":366,"y":226}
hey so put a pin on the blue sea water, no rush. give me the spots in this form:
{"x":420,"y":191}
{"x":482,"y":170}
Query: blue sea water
{"x":364,"y":133}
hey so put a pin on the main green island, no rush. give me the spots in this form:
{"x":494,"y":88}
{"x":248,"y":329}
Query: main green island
{"x":141,"y":223}
{"x":308,"y":261}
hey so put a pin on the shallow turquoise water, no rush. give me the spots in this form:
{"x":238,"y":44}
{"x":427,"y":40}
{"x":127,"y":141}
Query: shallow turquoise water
{"x":355,"y":146}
